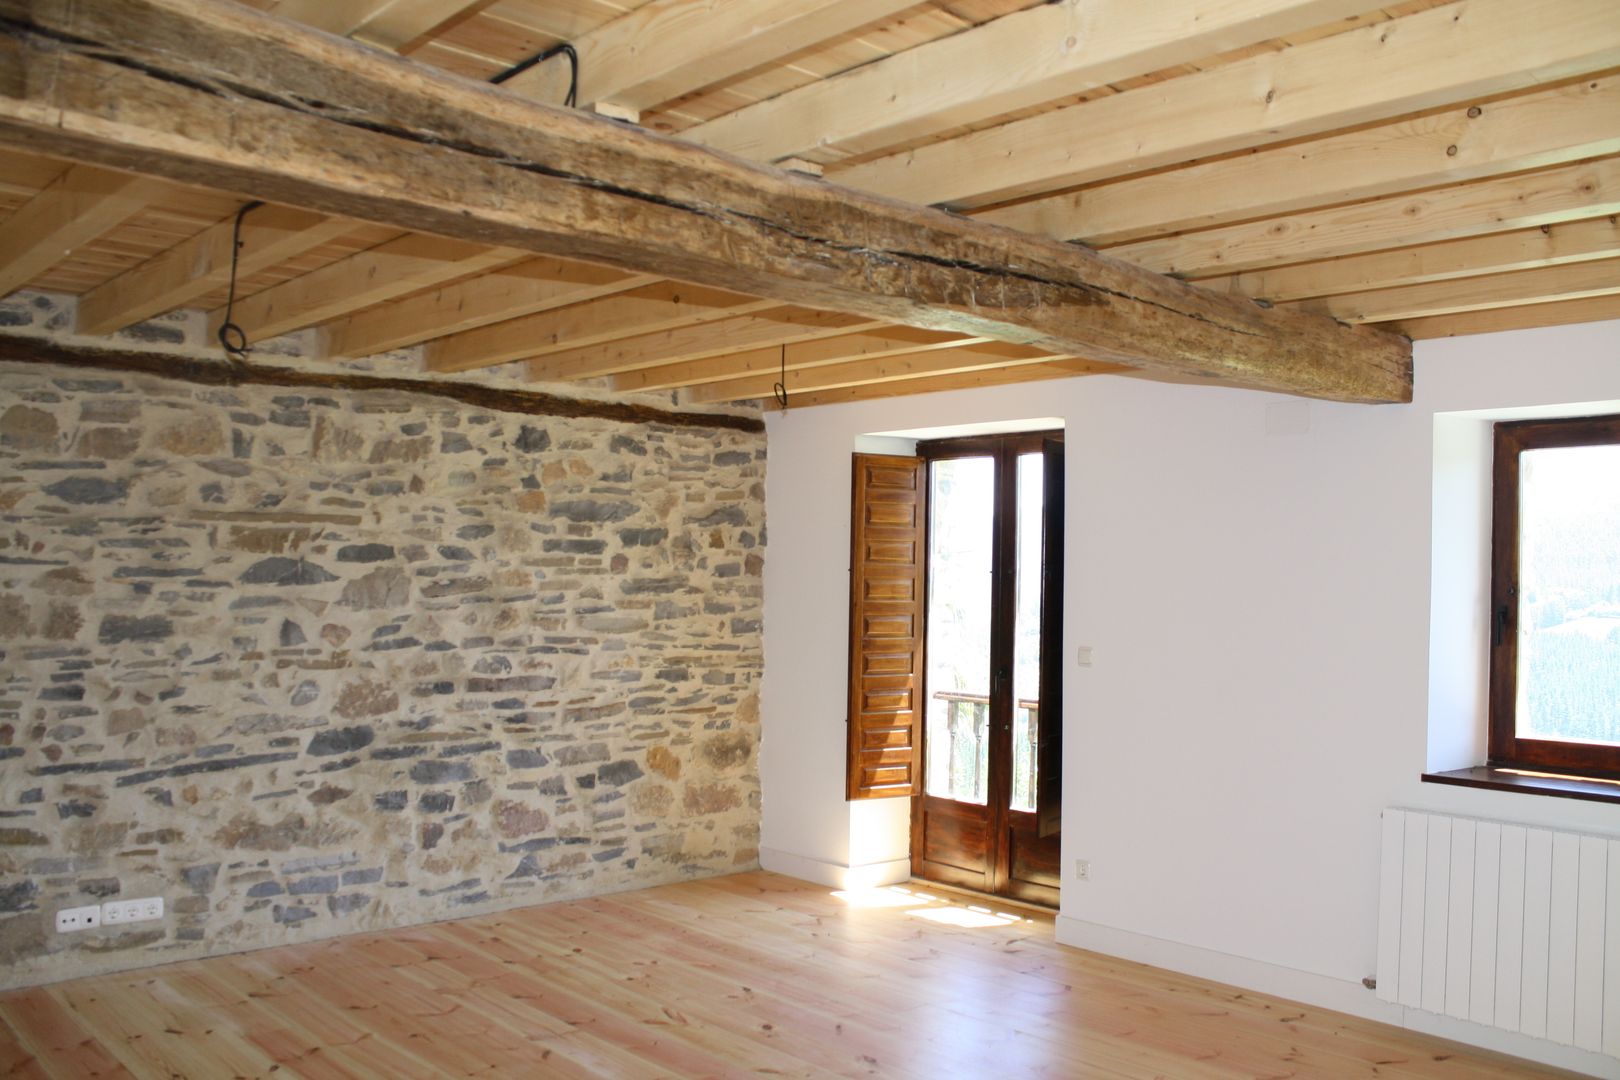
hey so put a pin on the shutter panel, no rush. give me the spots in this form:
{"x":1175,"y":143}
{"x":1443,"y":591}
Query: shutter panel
{"x":885,"y":627}
{"x":1049,"y":751}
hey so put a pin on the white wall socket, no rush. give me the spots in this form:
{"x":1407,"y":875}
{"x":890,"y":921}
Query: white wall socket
{"x":72,"y":919}
{"x":1082,"y":869}
{"x":128,"y":911}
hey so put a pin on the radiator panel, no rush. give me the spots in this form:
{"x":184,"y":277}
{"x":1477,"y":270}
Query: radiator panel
{"x":1513,"y":927}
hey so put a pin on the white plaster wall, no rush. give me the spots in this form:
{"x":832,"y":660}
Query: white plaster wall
{"x":1254,"y":575}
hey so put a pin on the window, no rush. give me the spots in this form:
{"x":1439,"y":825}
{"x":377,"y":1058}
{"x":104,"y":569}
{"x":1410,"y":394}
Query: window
{"x":1555,"y":596}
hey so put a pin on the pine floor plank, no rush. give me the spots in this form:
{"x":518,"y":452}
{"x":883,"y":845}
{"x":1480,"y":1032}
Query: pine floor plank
{"x":743,"y":976}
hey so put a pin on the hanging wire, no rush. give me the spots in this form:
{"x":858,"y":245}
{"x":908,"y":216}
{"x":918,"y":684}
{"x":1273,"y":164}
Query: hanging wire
{"x":232,"y":338}
{"x":541,"y":57}
{"x":780,"y":389}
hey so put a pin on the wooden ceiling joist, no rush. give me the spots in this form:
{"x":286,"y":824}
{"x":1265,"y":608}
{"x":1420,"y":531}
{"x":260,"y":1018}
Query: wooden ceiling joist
{"x":132,"y":86}
{"x":896,"y":368}
{"x":667,"y":48}
{"x":270,"y":235}
{"x":527,"y":288}
{"x":1521,"y":249}
{"x":369,"y":277}
{"x":663,"y":307}
{"x":1572,"y":281}
{"x":1489,"y":138}
{"x":1044,"y":54}
{"x":795,"y":355}
{"x":775,"y":329}
{"x":1528,"y":200}
{"x":79,"y":206}
{"x":388,"y":24}
{"x":1427,"y":60}
{"x":1525,"y":317}
{"x":962,"y":380}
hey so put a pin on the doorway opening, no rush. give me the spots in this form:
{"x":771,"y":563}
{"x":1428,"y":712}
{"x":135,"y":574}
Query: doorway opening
{"x":987,"y":815}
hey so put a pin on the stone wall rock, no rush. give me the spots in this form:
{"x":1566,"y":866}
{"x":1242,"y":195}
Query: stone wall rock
{"x":309,"y":665}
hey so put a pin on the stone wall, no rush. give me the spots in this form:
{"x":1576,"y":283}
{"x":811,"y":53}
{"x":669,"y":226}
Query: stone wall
{"x":313,"y":664}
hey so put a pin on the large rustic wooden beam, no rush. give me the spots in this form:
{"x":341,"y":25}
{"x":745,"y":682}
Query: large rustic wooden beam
{"x":224,"y":96}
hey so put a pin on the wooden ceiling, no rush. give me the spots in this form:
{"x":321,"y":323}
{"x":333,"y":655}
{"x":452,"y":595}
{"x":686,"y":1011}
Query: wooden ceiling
{"x":1436,"y":168}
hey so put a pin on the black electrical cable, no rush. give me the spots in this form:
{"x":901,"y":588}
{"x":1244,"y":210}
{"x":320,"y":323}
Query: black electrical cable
{"x":232,"y":338}
{"x":780,"y":389}
{"x":541,"y":57}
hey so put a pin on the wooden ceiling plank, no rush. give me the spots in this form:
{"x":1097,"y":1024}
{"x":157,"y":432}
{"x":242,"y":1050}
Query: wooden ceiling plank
{"x":965,"y":380}
{"x":392,"y":269}
{"x":1423,"y":61}
{"x":1528,"y":200}
{"x":1023,"y":59}
{"x":665,"y":306}
{"x":1572,"y":281}
{"x":388,"y":24}
{"x":80,"y":205}
{"x":400,"y":144}
{"x":1521,"y":249}
{"x":996,"y":354}
{"x":1477,"y":141}
{"x":774,"y":330}
{"x":1529,"y":316}
{"x":668,"y":48}
{"x":888,"y":341}
{"x":525,"y":289}
{"x":195,"y":267}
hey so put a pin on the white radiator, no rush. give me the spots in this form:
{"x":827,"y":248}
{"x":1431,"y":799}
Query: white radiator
{"x":1505,"y":925}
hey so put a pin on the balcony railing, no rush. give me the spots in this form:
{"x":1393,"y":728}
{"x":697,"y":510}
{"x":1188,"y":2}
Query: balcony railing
{"x":959,"y":769}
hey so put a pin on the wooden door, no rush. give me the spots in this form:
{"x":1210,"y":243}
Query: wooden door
{"x":985,"y":818}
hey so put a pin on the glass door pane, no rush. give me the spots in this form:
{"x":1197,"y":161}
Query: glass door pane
{"x":961,"y":521}
{"x":1027,"y":632}
{"x":1569,"y":595}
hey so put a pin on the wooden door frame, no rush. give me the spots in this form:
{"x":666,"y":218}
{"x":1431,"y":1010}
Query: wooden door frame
{"x":1005,"y":449}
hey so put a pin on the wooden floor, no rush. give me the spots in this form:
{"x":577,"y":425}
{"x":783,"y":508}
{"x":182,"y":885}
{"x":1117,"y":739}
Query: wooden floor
{"x":752,"y":975}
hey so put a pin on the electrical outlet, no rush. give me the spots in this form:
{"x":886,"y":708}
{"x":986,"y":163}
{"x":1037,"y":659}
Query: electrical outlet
{"x":70,"y":920}
{"x":115,"y":912}
{"x":1082,"y":869}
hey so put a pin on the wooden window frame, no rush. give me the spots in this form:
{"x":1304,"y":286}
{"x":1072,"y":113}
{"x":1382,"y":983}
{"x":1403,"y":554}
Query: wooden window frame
{"x":1506,"y":749}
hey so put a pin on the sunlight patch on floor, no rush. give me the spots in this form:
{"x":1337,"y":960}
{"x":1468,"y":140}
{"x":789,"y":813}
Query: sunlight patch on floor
{"x":936,"y":909}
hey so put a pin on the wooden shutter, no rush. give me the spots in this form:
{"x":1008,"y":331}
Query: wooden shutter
{"x":1049,"y":750}
{"x":886,"y":627}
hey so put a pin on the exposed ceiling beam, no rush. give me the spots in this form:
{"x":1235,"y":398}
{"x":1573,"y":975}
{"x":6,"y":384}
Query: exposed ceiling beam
{"x":388,"y":24}
{"x":995,"y":354}
{"x":1529,"y":200}
{"x":1571,"y":281}
{"x":887,"y":341}
{"x":76,"y":208}
{"x":668,"y":48}
{"x":667,"y":305}
{"x":400,"y":266}
{"x":1422,"y":61}
{"x":1521,"y":249}
{"x":776,"y":329}
{"x":1489,"y":138}
{"x":514,"y":291}
{"x":1028,"y":58}
{"x":1557,"y":313}
{"x":128,"y":85}
{"x":196,"y":266}
{"x":965,"y":380}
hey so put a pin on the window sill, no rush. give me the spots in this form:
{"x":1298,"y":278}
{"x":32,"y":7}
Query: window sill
{"x":1530,"y":783}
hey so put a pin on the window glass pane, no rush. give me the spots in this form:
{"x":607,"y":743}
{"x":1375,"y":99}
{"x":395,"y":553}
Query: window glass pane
{"x":961,"y":517}
{"x":1569,"y":595}
{"x":1027,"y":632}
